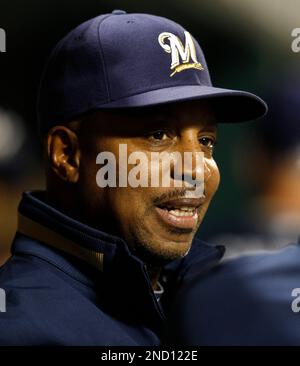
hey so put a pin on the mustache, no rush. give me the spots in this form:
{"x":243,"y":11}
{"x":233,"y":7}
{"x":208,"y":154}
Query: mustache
{"x":176,"y":193}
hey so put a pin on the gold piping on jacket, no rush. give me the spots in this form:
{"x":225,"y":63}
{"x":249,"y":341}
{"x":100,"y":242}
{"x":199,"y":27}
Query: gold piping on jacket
{"x":41,"y":233}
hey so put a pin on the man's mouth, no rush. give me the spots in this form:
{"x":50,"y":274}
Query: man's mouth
{"x":180,"y":213}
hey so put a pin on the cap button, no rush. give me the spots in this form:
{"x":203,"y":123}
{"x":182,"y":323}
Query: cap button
{"x":118,"y":12}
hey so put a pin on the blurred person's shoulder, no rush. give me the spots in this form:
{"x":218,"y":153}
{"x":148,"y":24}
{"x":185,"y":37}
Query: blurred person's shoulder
{"x":259,"y":263}
{"x":249,"y":300}
{"x":262,"y":261}
{"x":267,"y":273}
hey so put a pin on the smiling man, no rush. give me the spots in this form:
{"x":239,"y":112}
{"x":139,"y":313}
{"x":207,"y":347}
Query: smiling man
{"x":95,"y":260}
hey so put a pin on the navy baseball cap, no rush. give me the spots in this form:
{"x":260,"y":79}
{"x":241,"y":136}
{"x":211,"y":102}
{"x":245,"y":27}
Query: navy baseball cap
{"x":121,"y":60}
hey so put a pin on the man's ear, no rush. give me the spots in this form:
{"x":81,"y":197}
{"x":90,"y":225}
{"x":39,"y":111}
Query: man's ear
{"x":63,"y":153}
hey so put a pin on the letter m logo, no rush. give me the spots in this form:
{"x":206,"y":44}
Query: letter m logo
{"x":182,"y":57}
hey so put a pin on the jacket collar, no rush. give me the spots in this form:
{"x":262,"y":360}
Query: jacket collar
{"x":123,"y":276}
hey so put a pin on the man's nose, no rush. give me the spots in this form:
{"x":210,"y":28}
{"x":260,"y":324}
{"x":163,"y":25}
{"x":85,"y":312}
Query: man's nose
{"x":194,"y":165}
{"x":194,"y":168}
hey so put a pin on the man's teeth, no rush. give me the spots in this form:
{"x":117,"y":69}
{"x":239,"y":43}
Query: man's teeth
{"x":183,"y":211}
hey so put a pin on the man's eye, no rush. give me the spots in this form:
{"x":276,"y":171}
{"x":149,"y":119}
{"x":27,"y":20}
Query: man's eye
{"x":159,"y":135}
{"x":207,"y":141}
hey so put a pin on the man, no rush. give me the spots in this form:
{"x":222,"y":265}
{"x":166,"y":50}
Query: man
{"x":90,"y":261}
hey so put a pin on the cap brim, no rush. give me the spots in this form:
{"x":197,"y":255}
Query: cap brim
{"x":228,"y":105}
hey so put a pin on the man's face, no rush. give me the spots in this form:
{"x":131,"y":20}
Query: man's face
{"x":158,"y":223}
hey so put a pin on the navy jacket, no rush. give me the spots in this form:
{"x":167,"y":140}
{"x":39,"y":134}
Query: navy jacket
{"x":248,"y":301}
{"x":69,"y":284}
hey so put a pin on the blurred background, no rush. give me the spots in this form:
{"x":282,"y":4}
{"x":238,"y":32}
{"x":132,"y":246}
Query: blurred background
{"x":247,"y":45}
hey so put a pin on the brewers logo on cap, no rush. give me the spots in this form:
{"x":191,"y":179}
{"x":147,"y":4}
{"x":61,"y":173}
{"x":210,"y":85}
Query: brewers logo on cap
{"x":175,"y":47}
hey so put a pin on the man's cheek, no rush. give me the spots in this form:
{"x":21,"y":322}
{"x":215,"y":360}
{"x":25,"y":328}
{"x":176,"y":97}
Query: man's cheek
{"x":212,"y":177}
{"x":126,"y":202}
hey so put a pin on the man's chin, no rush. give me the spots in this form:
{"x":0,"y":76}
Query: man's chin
{"x":162,"y":252}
